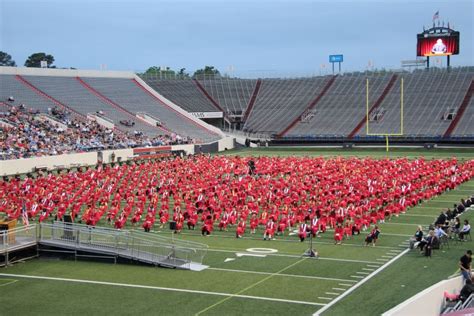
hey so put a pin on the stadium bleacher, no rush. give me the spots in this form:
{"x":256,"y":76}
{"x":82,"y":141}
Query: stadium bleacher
{"x":129,"y":95}
{"x":282,"y":106}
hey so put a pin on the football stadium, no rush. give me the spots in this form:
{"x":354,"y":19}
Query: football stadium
{"x":326,"y":171}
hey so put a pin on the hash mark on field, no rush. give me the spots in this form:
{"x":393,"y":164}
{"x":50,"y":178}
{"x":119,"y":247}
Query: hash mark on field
{"x":357,"y":276}
{"x":324,"y":298}
{"x":280,"y":274}
{"x":331,"y":293}
{"x":364,"y":273}
{"x":387,"y":257}
{"x":373,"y":266}
{"x":368,"y":269}
{"x":345,"y":284}
{"x":8,"y":283}
{"x":338,"y":289}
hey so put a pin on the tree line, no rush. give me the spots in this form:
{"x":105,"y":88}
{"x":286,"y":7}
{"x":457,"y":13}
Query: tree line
{"x":34,"y":60}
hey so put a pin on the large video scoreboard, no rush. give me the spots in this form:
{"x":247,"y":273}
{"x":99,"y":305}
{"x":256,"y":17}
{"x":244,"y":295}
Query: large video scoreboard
{"x":437,"y":44}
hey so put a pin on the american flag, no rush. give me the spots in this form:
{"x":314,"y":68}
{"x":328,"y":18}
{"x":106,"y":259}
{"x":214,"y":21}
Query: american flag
{"x":436,"y":16}
{"x":24,"y":215}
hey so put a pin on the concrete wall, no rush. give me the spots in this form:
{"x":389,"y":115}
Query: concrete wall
{"x":18,"y":166}
{"x":427,"y":302}
{"x":226,"y":143}
{"x":24,"y":71}
{"x":189,"y":149}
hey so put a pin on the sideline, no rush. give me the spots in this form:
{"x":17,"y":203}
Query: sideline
{"x":352,"y":289}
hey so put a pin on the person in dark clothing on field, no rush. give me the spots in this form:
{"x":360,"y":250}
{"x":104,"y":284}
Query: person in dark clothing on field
{"x":441,"y":220}
{"x":465,"y":265}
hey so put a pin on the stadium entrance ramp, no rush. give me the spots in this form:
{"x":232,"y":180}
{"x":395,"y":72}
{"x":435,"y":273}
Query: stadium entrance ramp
{"x":129,"y":244}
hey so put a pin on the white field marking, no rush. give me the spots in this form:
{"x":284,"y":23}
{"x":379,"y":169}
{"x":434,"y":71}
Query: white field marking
{"x":158,"y":288}
{"x":243,"y":254}
{"x":363,"y":273}
{"x":368,"y":269}
{"x":357,"y":276}
{"x":8,"y":283}
{"x":403,"y":224}
{"x":229,"y":259}
{"x":262,"y":250}
{"x":338,"y":289}
{"x":298,"y":256}
{"x":324,"y":298}
{"x":344,"y":284}
{"x":349,"y":291}
{"x":279,"y":240}
{"x":281,"y":274}
{"x":249,"y":287}
{"x":387,"y":257}
{"x":398,"y":235}
{"x":331,"y":293}
{"x":418,"y":215}
{"x":373,"y":266}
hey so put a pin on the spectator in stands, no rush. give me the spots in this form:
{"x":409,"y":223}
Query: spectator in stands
{"x":25,"y":135}
{"x":464,"y":294}
{"x":466,"y":229}
{"x":465,"y":265}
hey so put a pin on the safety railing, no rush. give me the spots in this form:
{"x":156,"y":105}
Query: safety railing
{"x":17,"y":238}
{"x":145,"y":247}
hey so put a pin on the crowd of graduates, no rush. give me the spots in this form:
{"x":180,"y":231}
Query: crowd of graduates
{"x":24,"y":134}
{"x":307,"y":195}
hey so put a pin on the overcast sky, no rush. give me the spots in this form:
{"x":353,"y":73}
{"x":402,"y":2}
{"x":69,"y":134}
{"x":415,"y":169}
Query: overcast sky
{"x":259,"y":37}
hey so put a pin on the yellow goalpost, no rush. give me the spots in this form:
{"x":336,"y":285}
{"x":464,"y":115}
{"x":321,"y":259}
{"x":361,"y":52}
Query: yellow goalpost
{"x":387,"y":135}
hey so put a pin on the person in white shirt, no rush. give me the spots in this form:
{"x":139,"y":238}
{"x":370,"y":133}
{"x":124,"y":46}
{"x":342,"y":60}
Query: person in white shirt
{"x":465,"y":230}
{"x":439,"y":47}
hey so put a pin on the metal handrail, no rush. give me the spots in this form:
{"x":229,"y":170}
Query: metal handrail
{"x":138,"y":246}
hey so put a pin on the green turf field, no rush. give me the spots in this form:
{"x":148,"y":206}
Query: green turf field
{"x":241,"y":282}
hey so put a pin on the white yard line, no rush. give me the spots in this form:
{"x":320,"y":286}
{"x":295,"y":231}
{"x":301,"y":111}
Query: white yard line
{"x":281,"y":274}
{"x":418,"y":215}
{"x":352,"y":289}
{"x":157,"y":288}
{"x":295,"y":256}
{"x":403,"y":224}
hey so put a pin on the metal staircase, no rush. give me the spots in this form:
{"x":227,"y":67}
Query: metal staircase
{"x":148,"y":248}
